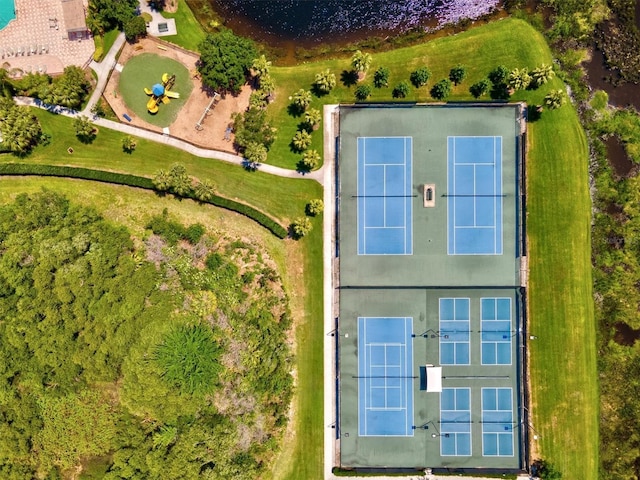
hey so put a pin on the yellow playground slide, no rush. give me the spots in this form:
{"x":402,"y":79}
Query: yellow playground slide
{"x":171,"y":94}
{"x":152,"y":105}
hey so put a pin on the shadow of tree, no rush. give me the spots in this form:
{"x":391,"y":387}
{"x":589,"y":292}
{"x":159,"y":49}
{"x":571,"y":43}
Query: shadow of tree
{"x":349,"y":78}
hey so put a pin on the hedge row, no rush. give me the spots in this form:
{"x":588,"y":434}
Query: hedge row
{"x":139,"y":182}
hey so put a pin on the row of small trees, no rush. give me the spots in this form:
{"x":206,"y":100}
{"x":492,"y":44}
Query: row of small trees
{"x":177,"y":181}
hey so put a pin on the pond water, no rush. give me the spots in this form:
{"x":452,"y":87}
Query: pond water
{"x":313,"y":21}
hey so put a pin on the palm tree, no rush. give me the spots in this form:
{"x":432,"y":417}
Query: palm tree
{"x":519,"y":79}
{"x":554,"y":99}
{"x":310,"y":160}
{"x":312,"y":118}
{"x":128,"y":144}
{"x":302,"y":99}
{"x":85,"y":130}
{"x":361,"y":62}
{"x":542,"y":74}
{"x":162,"y":180}
{"x":204,"y":190}
{"x":325,"y":81}
{"x":255,"y":152}
{"x":261,"y":66}
{"x":301,"y":227}
{"x":301,"y":140}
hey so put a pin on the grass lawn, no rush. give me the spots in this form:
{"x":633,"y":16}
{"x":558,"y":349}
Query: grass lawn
{"x":510,"y":42}
{"x":190,"y":34}
{"x":146,"y":70}
{"x":563,"y":358}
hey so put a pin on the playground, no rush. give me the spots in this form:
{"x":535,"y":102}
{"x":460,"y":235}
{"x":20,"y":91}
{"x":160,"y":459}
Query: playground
{"x":142,"y":65}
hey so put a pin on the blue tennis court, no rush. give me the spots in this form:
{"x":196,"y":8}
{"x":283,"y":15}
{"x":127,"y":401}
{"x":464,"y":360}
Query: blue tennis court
{"x":384,"y":196}
{"x":455,"y":422}
{"x":496,"y":331}
{"x":385,"y":376}
{"x":497,"y":422}
{"x":474,"y":196}
{"x":454,"y":331}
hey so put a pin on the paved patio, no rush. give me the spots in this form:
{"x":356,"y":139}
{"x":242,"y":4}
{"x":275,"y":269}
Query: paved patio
{"x":36,"y":41}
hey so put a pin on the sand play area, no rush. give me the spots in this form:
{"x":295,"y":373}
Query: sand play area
{"x":214,"y":133}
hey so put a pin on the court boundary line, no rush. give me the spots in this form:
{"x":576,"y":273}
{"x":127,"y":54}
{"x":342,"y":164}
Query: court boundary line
{"x":510,"y":431}
{"x":469,"y":423}
{"x":468,"y":331}
{"x":511,"y":336}
{"x":496,"y":251}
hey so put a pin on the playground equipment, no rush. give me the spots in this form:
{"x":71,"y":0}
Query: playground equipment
{"x":211,"y":106}
{"x":161,"y":92}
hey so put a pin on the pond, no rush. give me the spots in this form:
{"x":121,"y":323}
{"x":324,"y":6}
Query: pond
{"x":313,"y":21}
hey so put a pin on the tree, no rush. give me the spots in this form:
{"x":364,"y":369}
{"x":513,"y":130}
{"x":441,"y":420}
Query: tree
{"x":129,"y":144}
{"x":499,"y":75}
{"x":480,"y":88}
{"x":301,"y":140}
{"x":134,"y":28}
{"x":256,"y":153}
{"x":310,"y":160}
{"x":162,"y":181}
{"x":420,"y":77}
{"x":362,"y":92}
{"x":541,"y":75}
{"x":361,"y":62}
{"x":324,"y":81}
{"x":401,"y":90}
{"x":204,"y":190}
{"x":21,"y":131}
{"x":267,"y":85}
{"x":457,"y":74}
{"x":225,"y":60}
{"x":554,"y":99}
{"x":381,"y":77}
{"x":300,"y":227}
{"x":180,"y":182}
{"x":312,"y":118}
{"x":260,"y":66}
{"x":519,"y":79}
{"x":441,"y":90}
{"x":109,"y":14}
{"x":252,"y":126}
{"x":302,"y":99}
{"x":85,"y":130}
{"x":315,"y":207}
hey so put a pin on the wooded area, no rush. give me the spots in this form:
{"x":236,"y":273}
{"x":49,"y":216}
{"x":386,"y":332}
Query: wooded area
{"x":168,"y":360}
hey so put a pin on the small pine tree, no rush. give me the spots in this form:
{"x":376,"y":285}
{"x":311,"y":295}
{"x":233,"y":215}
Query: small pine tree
{"x":480,"y":88}
{"x":441,"y":90}
{"x":457,"y":74}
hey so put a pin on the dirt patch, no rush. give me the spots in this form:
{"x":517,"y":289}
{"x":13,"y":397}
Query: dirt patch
{"x":170,"y":6}
{"x":215,"y":123}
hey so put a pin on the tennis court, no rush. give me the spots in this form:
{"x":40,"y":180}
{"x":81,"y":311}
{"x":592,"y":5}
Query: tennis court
{"x":474,"y":195}
{"x":429,"y":292}
{"x":385,"y":377}
{"x":384,"y":196}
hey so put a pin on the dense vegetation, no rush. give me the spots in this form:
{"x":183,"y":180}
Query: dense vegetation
{"x":68,"y":90}
{"x":160,"y":361}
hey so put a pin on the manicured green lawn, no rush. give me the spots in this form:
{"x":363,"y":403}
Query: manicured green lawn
{"x":283,"y":198}
{"x":190,"y":34}
{"x":510,"y":42}
{"x":564,"y":380}
{"x":146,"y":70}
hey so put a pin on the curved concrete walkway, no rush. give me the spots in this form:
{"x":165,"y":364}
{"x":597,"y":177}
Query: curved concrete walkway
{"x":103,"y":70}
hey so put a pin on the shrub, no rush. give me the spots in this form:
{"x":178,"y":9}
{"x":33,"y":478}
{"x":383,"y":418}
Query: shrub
{"x":360,"y":62}
{"x":401,"y":90}
{"x":362,"y":92}
{"x":252,"y":126}
{"x":480,"y":88}
{"x":315,"y":207}
{"x":441,"y":90}
{"x":301,"y":140}
{"x":85,"y":131}
{"x":420,"y":77}
{"x":129,"y":144}
{"x":194,"y":233}
{"x":300,"y":227}
{"x":381,"y":77}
